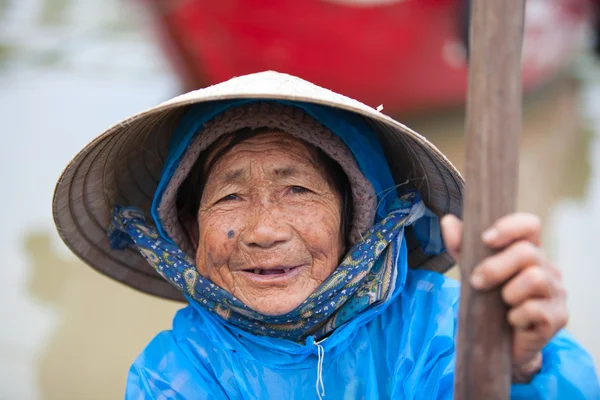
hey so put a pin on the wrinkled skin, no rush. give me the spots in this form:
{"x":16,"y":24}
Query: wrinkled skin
{"x":267,"y":204}
{"x":530,"y":285}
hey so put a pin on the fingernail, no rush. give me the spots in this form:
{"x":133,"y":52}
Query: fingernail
{"x":490,"y":235}
{"x":477,"y":280}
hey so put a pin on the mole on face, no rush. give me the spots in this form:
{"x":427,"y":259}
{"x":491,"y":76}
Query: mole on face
{"x":230,"y":234}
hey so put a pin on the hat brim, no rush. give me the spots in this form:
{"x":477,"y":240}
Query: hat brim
{"x":124,"y":164}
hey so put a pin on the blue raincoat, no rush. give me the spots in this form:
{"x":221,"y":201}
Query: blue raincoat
{"x":403,"y":349}
{"x":400,"y":349}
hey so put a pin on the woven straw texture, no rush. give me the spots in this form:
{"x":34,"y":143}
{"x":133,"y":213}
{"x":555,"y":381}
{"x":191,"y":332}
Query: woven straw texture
{"x":124,"y":165}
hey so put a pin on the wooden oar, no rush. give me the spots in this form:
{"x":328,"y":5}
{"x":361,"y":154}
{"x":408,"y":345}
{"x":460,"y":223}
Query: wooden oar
{"x":493,"y":127}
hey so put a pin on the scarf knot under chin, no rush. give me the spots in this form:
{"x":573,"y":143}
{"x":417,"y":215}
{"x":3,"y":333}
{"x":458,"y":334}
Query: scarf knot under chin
{"x":367,"y":275}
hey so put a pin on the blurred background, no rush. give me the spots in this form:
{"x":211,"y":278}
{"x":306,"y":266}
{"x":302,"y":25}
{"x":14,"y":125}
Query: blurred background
{"x":69,"y":69}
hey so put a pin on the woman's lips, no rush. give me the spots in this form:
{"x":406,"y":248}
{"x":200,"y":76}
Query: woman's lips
{"x":272,"y":275}
{"x":272,"y":271}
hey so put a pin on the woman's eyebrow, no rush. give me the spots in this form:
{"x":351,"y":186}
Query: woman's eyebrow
{"x":285,"y":172}
{"x":234,"y":175}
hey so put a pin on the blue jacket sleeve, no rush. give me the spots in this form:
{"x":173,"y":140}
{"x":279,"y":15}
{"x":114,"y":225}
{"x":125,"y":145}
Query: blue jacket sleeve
{"x":163,"y":371}
{"x":567,"y":373}
{"x":567,"y":369}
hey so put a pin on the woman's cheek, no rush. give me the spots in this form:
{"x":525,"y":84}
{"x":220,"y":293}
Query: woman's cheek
{"x":218,"y":238}
{"x":322,"y":235}
{"x":328,"y":221}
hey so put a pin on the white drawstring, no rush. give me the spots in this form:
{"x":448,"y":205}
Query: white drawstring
{"x":320,"y":386}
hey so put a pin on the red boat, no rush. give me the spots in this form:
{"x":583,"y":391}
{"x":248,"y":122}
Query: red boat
{"x":408,"y":55}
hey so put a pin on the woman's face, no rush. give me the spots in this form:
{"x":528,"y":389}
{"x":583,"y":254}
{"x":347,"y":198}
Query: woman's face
{"x":269,"y":223}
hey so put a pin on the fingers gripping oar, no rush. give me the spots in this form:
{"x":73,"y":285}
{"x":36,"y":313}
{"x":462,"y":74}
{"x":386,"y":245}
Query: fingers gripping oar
{"x":493,"y":127}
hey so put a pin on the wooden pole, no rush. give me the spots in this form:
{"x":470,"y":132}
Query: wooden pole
{"x":483,"y":368}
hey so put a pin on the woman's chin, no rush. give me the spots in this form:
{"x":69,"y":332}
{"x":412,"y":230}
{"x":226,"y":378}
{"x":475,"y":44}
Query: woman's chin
{"x":276,"y":304}
{"x":275,"y":294}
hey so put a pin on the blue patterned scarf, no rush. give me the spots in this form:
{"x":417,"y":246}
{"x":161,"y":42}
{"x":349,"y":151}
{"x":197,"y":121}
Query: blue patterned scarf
{"x":365,"y":277}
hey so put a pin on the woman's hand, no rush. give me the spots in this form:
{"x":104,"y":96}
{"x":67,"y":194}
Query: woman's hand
{"x":531,"y":286}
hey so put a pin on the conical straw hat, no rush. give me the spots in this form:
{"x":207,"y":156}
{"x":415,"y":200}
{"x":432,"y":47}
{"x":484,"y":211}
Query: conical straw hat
{"x":124,"y":164}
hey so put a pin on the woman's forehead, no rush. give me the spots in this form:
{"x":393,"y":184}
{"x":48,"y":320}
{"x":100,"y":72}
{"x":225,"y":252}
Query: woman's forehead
{"x":237,"y":174}
{"x":283,"y":150}
{"x":273,"y":137}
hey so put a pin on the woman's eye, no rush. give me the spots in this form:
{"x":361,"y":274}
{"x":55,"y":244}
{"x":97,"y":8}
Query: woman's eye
{"x":298,"y":189}
{"x":229,"y":197}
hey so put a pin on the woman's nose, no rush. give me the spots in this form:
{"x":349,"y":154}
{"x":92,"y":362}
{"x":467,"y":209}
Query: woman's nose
{"x":267,"y":231}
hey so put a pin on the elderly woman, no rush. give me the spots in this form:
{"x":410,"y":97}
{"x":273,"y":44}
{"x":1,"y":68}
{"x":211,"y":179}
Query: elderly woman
{"x":302,"y":228}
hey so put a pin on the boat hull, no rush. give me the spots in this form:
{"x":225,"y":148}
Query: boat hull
{"x":408,"y":55}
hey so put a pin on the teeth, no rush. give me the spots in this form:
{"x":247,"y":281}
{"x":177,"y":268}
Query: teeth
{"x":260,"y":271}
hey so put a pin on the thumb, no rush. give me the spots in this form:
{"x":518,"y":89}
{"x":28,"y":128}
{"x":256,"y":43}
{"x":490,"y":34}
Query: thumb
{"x":452,"y":230}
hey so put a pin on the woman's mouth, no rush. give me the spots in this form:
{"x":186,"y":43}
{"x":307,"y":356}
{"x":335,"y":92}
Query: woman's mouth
{"x":268,"y":277}
{"x":271,"y":271}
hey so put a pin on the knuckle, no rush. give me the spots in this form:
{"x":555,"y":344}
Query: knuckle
{"x":561,"y":291}
{"x":527,"y":221}
{"x":529,"y":309}
{"x":508,"y":296}
{"x":535,"y":223}
{"x":545,"y":317}
{"x":529,"y":251}
{"x":534,"y":312}
{"x":536,"y":277}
